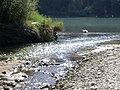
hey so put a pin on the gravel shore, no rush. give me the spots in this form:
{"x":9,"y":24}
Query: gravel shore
{"x":95,"y":70}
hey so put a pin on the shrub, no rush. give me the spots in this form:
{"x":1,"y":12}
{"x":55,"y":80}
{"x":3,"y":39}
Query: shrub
{"x":58,"y":26}
{"x":24,"y":12}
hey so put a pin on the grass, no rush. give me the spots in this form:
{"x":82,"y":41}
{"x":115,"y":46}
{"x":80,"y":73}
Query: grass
{"x":38,"y":22}
{"x":58,"y":26}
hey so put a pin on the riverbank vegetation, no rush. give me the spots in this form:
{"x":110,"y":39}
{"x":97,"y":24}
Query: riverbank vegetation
{"x":20,"y":19}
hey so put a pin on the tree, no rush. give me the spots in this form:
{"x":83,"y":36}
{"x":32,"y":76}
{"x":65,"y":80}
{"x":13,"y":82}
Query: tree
{"x":16,"y":11}
{"x":100,"y":8}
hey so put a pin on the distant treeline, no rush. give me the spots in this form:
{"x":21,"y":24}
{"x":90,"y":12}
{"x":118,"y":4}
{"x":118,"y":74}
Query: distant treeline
{"x":80,"y":8}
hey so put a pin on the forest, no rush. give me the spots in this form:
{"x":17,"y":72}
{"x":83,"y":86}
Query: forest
{"x":80,"y":8}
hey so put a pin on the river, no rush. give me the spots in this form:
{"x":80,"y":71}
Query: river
{"x":69,"y":41}
{"x":92,"y":24}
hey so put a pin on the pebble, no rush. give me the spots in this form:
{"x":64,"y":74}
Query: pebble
{"x":17,"y":76}
{"x":7,"y":88}
{"x":33,"y":65}
{"x":93,"y":83}
{"x":28,"y":63}
{"x":94,"y":75}
{"x":93,"y":88}
{"x":4,"y":72}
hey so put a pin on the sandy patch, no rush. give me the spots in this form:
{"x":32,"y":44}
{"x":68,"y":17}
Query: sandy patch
{"x":7,"y":66}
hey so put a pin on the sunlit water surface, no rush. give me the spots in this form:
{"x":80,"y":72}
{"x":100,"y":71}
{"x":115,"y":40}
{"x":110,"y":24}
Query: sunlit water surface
{"x":60,"y":50}
{"x":69,"y":41}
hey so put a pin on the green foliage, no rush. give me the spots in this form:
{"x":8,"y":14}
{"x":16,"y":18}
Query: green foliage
{"x":36,"y":17}
{"x":16,"y":11}
{"x":24,"y":12}
{"x":58,"y":26}
{"x":40,"y":22}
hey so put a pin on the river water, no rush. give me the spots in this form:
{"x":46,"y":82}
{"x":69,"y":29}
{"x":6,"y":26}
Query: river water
{"x":68,"y":42}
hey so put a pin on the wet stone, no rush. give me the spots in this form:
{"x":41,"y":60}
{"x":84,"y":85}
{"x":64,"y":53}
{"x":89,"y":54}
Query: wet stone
{"x":4,"y":72}
{"x":24,"y":76}
{"x":45,"y":64}
{"x":6,"y":88}
{"x":93,"y":83}
{"x":28,"y":63}
{"x":33,"y":66}
{"x":10,"y":84}
{"x":17,"y":80}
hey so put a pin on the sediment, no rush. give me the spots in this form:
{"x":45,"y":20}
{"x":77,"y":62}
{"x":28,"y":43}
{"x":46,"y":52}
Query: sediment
{"x":98,"y":69}
{"x":14,"y":74}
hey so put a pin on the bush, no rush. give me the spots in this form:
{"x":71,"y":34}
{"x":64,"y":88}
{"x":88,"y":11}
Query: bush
{"x":58,"y":26}
{"x":24,"y":12}
{"x":37,"y":21}
{"x":40,"y":22}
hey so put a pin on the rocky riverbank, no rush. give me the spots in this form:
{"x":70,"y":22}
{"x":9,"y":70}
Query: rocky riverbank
{"x":14,"y":74}
{"x":98,"y":69}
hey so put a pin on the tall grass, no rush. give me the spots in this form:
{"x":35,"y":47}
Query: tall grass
{"x":58,"y":26}
{"x":39,"y":22}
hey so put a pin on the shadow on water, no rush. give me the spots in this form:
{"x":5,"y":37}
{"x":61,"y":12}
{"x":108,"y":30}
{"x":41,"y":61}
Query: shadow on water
{"x":7,"y":52}
{"x":15,"y":48}
{"x":8,"y":49}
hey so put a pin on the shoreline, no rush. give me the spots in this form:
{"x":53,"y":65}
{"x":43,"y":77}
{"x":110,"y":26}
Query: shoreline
{"x":24,"y":69}
{"x":95,"y":70}
{"x":19,"y":74}
{"x":7,"y":66}
{"x":11,"y":35}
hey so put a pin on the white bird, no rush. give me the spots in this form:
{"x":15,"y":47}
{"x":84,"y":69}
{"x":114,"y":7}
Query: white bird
{"x":85,"y":31}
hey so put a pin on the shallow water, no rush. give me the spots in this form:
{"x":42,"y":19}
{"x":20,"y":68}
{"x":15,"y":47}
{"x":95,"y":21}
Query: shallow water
{"x":67,"y":44}
{"x":60,"y":50}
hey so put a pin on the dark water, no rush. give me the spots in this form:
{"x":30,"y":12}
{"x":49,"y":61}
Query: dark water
{"x":91,"y":24}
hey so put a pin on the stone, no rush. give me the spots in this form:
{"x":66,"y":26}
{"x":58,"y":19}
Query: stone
{"x":11,"y":84}
{"x":6,"y":88}
{"x":45,"y":64}
{"x":16,"y":80}
{"x":24,"y":76}
{"x":28,"y":63}
{"x":33,"y":65}
{"x":4,"y":72}
{"x":93,"y":83}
